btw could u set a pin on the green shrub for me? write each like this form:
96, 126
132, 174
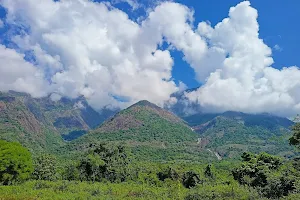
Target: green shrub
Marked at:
45, 168
15, 163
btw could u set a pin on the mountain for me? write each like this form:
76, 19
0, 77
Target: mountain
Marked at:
151, 132
18, 123
67, 116
40, 123
183, 107
231, 133
145, 121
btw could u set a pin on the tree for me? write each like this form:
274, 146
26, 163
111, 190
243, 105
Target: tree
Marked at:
15, 163
208, 172
264, 172
71, 172
104, 161
295, 139
190, 179
45, 167
254, 169
168, 173
279, 186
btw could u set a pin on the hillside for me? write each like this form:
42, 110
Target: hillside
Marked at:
231, 133
17, 123
146, 122
40, 123
151, 132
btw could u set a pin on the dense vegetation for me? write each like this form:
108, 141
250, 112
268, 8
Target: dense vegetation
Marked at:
15, 163
143, 152
151, 133
295, 139
38, 123
229, 136
109, 171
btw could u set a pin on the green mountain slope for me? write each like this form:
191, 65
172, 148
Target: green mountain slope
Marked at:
232, 133
17, 123
152, 133
145, 122
40, 123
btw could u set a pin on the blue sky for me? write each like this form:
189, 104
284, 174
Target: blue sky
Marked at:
121, 51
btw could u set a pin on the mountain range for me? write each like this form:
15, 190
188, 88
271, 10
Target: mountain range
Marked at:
150, 131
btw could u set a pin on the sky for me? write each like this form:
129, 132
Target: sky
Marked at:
241, 54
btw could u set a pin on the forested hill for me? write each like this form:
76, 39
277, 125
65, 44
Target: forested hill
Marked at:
150, 131
40, 123
231, 133
142, 152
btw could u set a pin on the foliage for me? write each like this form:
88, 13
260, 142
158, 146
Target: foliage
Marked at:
279, 186
169, 173
264, 173
71, 172
15, 163
208, 172
104, 161
45, 167
295, 139
69, 190
230, 136
190, 179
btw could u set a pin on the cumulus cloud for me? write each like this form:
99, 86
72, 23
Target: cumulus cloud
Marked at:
82, 47
19, 75
242, 78
92, 49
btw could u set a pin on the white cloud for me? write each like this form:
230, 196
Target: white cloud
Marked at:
89, 49
244, 80
93, 49
19, 75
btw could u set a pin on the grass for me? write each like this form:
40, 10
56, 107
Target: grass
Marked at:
84, 190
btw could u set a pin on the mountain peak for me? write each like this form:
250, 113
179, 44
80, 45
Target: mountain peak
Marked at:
145, 103
137, 115
145, 122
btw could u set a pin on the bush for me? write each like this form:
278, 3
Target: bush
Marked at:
15, 163
279, 187
190, 179
105, 161
45, 168
168, 173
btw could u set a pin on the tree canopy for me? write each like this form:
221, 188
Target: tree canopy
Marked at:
295, 139
15, 163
